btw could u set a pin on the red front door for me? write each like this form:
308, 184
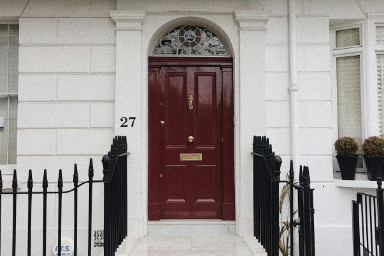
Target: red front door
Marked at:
191, 123
186, 143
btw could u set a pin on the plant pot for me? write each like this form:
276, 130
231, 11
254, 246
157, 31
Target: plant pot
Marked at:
373, 164
347, 166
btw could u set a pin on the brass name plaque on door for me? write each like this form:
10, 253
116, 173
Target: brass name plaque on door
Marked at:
191, 157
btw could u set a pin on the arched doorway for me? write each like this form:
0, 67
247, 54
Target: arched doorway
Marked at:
190, 126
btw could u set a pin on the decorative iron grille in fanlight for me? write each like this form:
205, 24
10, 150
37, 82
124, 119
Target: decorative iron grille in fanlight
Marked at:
190, 40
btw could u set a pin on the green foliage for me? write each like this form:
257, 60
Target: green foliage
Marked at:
373, 146
346, 146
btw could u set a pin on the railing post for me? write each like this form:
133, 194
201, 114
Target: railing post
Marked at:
307, 214
90, 176
291, 211
380, 213
75, 184
256, 214
355, 228
300, 211
45, 186
125, 190
275, 197
107, 205
14, 187
30, 186
60, 190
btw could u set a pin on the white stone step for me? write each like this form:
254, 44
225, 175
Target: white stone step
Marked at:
185, 237
255, 247
190, 227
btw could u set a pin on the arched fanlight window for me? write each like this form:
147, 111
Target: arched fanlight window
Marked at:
190, 40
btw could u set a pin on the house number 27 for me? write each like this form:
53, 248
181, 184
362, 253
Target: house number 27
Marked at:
128, 120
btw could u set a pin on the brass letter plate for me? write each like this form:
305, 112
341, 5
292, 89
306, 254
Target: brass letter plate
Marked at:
191, 157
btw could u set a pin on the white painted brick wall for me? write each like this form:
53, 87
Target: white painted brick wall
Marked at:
37, 87
277, 30
36, 142
102, 30
102, 114
277, 85
314, 106
317, 58
69, 8
86, 87
314, 86
103, 58
54, 59
319, 167
69, 62
83, 141
62, 115
276, 58
315, 141
74, 30
312, 30
278, 114
38, 31
280, 138
318, 114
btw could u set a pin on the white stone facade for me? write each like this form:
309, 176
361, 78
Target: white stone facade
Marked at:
83, 66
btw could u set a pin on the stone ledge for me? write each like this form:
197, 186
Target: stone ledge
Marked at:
356, 184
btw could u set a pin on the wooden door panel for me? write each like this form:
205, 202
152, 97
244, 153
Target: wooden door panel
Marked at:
205, 183
175, 180
205, 109
176, 120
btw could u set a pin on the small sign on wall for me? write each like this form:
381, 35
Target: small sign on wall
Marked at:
66, 247
98, 238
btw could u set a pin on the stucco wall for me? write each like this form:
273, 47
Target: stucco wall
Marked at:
66, 88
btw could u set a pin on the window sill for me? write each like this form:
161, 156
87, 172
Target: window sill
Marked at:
356, 184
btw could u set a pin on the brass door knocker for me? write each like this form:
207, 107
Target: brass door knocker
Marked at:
190, 102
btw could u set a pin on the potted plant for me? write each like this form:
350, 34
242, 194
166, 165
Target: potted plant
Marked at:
346, 148
373, 153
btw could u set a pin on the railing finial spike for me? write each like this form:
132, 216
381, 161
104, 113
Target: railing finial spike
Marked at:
90, 169
14, 180
75, 175
30, 180
45, 180
60, 180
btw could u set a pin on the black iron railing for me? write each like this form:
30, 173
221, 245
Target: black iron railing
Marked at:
266, 177
15, 194
115, 203
305, 211
115, 196
368, 223
266, 180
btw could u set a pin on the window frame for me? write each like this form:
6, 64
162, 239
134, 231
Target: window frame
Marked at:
7, 169
349, 51
378, 50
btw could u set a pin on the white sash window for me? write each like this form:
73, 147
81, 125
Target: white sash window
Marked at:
9, 57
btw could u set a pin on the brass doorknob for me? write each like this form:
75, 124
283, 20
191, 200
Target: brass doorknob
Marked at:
191, 139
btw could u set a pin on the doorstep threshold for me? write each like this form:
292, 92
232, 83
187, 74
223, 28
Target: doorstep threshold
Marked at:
191, 222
